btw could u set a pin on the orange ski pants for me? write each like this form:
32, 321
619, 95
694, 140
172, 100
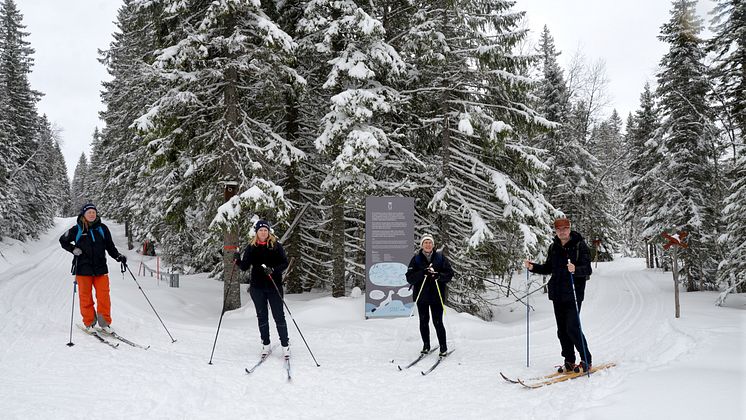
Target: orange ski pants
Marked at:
101, 284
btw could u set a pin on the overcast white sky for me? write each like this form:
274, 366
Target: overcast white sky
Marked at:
67, 34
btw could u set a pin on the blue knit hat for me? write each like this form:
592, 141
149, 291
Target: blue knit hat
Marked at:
261, 224
87, 207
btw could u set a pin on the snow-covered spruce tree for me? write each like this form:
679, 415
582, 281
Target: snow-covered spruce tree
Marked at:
689, 199
225, 69
359, 65
729, 98
294, 124
79, 185
468, 118
643, 156
552, 94
56, 187
728, 68
125, 193
18, 116
733, 267
607, 144
96, 186
574, 183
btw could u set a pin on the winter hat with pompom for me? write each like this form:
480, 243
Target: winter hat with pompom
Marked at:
261, 224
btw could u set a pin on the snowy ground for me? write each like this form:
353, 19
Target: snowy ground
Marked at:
688, 368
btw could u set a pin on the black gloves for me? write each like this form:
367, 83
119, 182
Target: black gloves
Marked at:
267, 270
122, 259
431, 273
237, 257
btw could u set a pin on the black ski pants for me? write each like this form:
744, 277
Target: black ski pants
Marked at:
269, 297
424, 309
568, 331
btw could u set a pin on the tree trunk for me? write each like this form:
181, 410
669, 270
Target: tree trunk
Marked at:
338, 245
292, 243
676, 282
231, 285
445, 152
128, 233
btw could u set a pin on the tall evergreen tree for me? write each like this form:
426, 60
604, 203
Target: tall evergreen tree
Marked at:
608, 145
351, 41
642, 135
729, 67
18, 121
56, 198
733, 266
468, 117
574, 183
79, 185
119, 156
224, 67
553, 95
729, 96
689, 199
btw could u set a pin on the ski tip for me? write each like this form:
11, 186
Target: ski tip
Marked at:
530, 386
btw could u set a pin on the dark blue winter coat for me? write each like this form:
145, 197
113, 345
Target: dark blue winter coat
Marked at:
94, 242
418, 277
256, 255
577, 251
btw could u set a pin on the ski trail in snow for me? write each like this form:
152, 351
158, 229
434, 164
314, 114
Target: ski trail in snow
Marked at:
627, 317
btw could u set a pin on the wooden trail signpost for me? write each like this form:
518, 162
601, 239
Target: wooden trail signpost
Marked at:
675, 241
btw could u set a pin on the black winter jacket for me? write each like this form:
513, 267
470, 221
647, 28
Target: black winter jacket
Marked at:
577, 251
419, 277
256, 255
94, 242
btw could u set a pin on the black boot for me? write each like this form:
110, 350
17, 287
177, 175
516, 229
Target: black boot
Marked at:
582, 367
566, 367
443, 350
425, 349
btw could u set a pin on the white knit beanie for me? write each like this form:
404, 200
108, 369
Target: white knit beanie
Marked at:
426, 237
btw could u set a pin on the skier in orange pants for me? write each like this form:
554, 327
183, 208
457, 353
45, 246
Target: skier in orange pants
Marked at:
88, 241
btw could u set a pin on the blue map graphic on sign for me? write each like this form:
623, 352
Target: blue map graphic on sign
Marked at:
390, 274
391, 308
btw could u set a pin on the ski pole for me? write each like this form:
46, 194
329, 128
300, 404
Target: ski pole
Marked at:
411, 315
125, 267
291, 315
528, 311
442, 304
580, 327
222, 312
72, 308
